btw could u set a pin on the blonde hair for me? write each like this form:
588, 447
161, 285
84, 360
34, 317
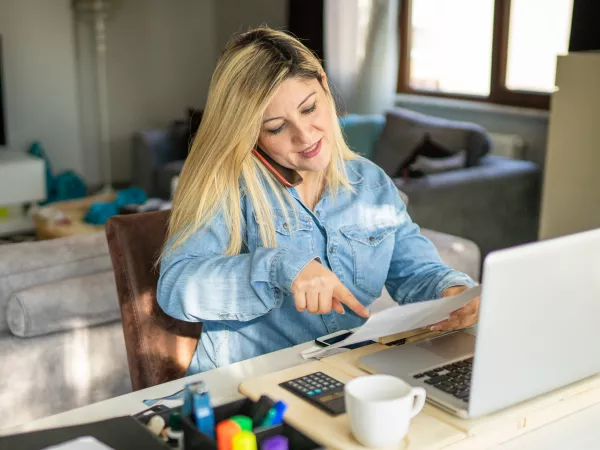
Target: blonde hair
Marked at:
250, 69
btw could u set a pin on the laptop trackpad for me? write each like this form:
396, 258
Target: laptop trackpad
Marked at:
418, 356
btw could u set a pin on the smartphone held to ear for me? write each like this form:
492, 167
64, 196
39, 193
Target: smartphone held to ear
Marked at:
287, 177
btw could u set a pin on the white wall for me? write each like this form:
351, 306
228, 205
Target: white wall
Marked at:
40, 79
161, 55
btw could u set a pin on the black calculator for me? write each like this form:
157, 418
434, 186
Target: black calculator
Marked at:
319, 389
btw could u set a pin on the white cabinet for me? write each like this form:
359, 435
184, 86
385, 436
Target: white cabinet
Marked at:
22, 180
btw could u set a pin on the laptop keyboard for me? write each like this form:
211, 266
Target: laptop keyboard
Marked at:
455, 378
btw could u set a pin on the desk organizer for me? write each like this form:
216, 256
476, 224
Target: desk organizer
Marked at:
195, 440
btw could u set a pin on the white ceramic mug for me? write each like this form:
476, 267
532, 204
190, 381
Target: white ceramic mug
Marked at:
380, 408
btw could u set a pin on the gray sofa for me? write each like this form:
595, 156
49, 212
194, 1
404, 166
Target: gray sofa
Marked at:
61, 340
493, 202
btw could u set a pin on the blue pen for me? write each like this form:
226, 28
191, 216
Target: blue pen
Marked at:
203, 412
280, 408
275, 415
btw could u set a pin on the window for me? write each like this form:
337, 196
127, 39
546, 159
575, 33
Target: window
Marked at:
500, 51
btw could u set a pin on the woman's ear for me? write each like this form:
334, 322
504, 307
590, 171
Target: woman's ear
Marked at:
324, 82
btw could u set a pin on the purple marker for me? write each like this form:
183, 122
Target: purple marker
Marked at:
278, 442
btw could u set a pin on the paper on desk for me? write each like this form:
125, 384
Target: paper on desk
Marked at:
82, 443
317, 352
171, 401
395, 318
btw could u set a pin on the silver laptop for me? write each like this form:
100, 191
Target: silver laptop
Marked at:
538, 330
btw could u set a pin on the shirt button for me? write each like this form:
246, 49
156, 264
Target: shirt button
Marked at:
371, 239
318, 214
330, 249
285, 226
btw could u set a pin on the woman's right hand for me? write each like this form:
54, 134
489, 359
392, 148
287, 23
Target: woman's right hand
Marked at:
318, 290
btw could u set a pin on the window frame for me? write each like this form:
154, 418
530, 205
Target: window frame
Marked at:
499, 93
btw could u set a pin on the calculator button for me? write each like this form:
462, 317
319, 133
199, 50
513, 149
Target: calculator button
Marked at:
318, 391
311, 393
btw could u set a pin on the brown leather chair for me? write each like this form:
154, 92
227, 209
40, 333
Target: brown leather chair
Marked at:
159, 348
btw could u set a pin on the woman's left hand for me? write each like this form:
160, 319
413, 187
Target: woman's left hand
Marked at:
464, 317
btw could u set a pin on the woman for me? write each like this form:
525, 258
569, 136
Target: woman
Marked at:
263, 265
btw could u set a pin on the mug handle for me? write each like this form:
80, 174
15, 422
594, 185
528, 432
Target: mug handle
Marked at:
419, 395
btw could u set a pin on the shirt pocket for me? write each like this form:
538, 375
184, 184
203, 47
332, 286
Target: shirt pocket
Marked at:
372, 248
293, 231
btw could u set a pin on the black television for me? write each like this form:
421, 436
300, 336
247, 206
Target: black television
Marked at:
2, 121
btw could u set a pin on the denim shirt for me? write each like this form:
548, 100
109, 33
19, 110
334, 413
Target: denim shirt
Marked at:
244, 302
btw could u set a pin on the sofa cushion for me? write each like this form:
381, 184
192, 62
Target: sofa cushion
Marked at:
408, 134
64, 305
29, 264
362, 132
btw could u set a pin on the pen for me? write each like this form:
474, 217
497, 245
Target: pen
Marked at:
280, 408
275, 415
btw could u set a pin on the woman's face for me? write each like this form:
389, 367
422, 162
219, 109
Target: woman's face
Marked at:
296, 130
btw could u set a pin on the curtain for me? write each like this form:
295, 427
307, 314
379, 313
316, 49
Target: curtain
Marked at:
361, 53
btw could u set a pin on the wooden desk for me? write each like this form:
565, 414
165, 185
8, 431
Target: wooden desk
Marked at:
579, 431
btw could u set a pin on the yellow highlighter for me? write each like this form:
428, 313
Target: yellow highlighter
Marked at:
244, 440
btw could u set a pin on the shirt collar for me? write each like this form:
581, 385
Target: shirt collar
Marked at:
353, 176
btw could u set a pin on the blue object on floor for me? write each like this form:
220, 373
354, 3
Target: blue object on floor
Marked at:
66, 185
100, 212
131, 196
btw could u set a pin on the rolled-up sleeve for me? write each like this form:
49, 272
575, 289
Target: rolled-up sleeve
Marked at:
198, 282
416, 271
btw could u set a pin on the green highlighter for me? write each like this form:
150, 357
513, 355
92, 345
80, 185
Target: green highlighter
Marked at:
244, 422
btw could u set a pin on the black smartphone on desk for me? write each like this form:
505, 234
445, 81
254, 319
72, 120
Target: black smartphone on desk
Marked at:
334, 338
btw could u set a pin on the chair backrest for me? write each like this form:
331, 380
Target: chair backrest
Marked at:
159, 347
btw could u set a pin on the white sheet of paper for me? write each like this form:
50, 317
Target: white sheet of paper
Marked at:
387, 319
82, 443
317, 352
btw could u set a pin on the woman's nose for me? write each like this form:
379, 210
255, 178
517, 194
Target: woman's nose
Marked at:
303, 134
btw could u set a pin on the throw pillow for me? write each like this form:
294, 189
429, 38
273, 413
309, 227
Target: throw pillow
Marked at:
408, 134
